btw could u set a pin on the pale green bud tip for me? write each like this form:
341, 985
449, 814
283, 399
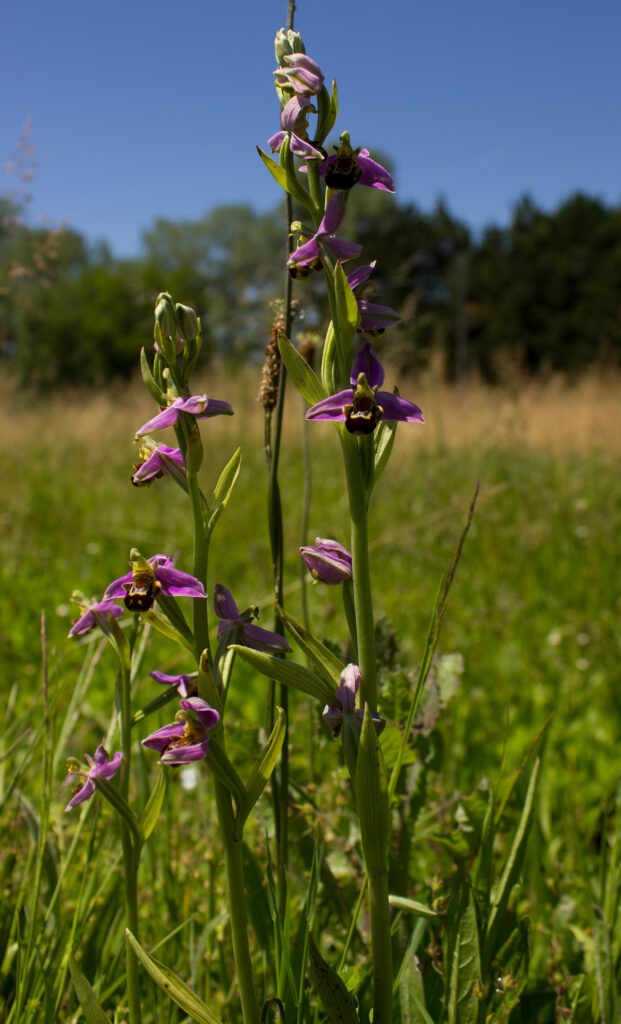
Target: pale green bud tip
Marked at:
187, 322
287, 41
165, 317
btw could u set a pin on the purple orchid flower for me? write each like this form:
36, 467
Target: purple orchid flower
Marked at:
185, 684
99, 767
199, 406
93, 614
157, 461
345, 697
150, 577
300, 73
373, 317
239, 628
186, 739
307, 257
348, 167
328, 562
362, 406
293, 119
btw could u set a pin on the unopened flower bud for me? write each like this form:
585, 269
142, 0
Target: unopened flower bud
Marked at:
187, 322
165, 315
287, 41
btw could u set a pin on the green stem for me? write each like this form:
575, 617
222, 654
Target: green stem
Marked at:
363, 600
237, 904
381, 947
199, 606
131, 852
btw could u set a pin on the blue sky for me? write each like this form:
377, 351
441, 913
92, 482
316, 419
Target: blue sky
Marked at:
147, 108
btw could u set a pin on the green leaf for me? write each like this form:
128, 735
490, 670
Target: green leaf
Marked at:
411, 990
302, 375
465, 965
338, 1003
324, 661
153, 806
511, 870
405, 903
91, 1007
327, 112
288, 673
263, 769
172, 985
225, 771
287, 180
222, 492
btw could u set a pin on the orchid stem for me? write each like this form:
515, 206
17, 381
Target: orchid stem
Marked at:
237, 904
361, 572
131, 853
201, 624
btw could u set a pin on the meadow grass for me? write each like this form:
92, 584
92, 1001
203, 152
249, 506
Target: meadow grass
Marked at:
533, 617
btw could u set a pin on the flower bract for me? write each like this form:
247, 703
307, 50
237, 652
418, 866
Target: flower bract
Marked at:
239, 628
100, 766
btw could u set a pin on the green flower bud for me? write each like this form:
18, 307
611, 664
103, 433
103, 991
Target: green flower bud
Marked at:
165, 315
187, 322
287, 41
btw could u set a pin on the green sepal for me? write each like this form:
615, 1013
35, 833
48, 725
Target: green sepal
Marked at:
172, 985
89, 1003
338, 1003
224, 771
287, 181
324, 661
149, 380
298, 677
153, 806
327, 112
218, 501
372, 799
302, 375
262, 769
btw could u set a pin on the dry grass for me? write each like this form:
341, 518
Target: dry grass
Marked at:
551, 415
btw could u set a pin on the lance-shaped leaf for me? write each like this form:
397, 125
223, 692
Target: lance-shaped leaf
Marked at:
465, 965
172, 985
222, 492
284, 178
327, 112
511, 871
413, 906
298, 677
262, 770
302, 375
91, 1007
153, 806
338, 1002
372, 799
324, 661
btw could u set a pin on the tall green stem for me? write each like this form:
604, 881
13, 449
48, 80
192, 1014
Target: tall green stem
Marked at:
201, 622
237, 904
131, 854
361, 571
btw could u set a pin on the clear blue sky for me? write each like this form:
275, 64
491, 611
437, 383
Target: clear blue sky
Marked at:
146, 108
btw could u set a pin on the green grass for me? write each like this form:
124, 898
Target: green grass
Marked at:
534, 613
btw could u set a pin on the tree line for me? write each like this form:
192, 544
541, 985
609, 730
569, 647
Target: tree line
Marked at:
539, 295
